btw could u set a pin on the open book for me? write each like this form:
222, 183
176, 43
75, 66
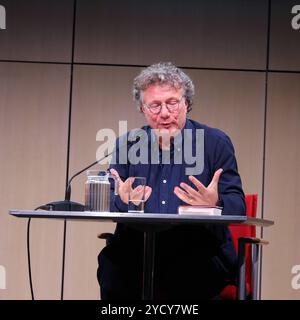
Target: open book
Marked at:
200, 210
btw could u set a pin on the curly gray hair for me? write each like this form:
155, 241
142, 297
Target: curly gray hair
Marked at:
163, 73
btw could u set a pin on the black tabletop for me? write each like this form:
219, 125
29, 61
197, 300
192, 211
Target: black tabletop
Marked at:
152, 218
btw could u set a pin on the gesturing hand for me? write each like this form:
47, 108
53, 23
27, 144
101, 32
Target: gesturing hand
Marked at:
203, 195
126, 186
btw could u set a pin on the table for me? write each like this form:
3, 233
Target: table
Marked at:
149, 223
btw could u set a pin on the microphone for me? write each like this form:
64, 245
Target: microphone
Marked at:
67, 204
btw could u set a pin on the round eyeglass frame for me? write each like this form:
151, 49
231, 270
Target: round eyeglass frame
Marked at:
171, 108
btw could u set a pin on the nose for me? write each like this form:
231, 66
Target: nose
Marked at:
164, 112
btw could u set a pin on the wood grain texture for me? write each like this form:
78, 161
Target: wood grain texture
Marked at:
282, 188
225, 34
33, 139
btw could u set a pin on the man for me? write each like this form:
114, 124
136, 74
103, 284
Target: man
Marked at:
194, 261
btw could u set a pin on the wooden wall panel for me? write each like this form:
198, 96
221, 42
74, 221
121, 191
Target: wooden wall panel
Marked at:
225, 34
33, 140
37, 30
282, 189
284, 39
234, 103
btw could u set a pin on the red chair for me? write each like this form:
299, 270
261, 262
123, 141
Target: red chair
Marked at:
247, 246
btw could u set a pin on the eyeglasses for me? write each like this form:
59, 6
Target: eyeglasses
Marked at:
172, 105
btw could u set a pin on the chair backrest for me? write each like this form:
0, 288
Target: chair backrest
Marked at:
238, 231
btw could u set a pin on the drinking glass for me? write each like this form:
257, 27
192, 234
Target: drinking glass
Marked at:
136, 196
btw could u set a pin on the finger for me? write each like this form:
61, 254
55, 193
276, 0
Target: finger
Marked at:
148, 193
198, 184
115, 173
182, 195
189, 190
216, 177
137, 193
127, 185
137, 189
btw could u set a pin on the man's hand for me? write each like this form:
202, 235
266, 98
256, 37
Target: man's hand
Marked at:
126, 186
203, 195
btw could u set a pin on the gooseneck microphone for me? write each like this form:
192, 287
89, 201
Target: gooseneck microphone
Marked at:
67, 204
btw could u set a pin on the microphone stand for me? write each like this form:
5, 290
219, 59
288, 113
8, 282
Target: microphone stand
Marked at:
67, 204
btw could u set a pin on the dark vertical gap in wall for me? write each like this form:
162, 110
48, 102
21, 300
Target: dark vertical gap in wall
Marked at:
265, 133
68, 146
